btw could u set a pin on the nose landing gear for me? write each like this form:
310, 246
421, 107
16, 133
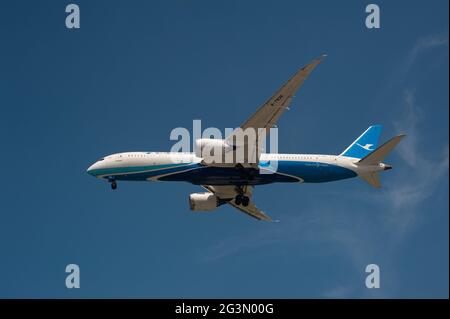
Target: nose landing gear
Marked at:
113, 184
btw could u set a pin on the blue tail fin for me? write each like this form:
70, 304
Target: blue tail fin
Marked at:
365, 144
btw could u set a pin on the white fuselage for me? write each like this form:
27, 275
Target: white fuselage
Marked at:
188, 167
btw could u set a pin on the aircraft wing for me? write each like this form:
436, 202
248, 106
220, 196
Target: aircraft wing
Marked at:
228, 193
269, 113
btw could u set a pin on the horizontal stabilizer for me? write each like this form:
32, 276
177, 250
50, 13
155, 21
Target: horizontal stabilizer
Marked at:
372, 178
381, 152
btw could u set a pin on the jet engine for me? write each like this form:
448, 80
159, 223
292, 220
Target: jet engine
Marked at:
212, 150
203, 201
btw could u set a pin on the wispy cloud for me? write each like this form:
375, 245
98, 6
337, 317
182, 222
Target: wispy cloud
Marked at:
424, 44
425, 172
421, 181
421, 176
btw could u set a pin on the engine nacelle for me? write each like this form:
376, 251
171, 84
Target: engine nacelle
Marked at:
212, 150
203, 201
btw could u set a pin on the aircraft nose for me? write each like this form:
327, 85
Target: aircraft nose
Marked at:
90, 169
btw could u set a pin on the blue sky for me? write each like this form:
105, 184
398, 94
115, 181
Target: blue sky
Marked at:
137, 69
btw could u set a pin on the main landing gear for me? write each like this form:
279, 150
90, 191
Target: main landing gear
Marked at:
113, 184
240, 198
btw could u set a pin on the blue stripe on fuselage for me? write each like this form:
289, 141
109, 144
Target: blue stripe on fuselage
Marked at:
287, 171
314, 172
140, 172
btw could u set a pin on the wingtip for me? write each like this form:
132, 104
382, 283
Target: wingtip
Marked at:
320, 59
270, 220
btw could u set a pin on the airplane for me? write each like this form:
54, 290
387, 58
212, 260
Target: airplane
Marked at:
234, 183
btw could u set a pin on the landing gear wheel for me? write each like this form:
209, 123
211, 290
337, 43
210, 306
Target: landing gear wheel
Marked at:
242, 200
113, 185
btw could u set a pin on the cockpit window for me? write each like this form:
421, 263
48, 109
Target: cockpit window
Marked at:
101, 159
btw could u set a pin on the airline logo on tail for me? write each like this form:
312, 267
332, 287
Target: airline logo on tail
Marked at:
366, 147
